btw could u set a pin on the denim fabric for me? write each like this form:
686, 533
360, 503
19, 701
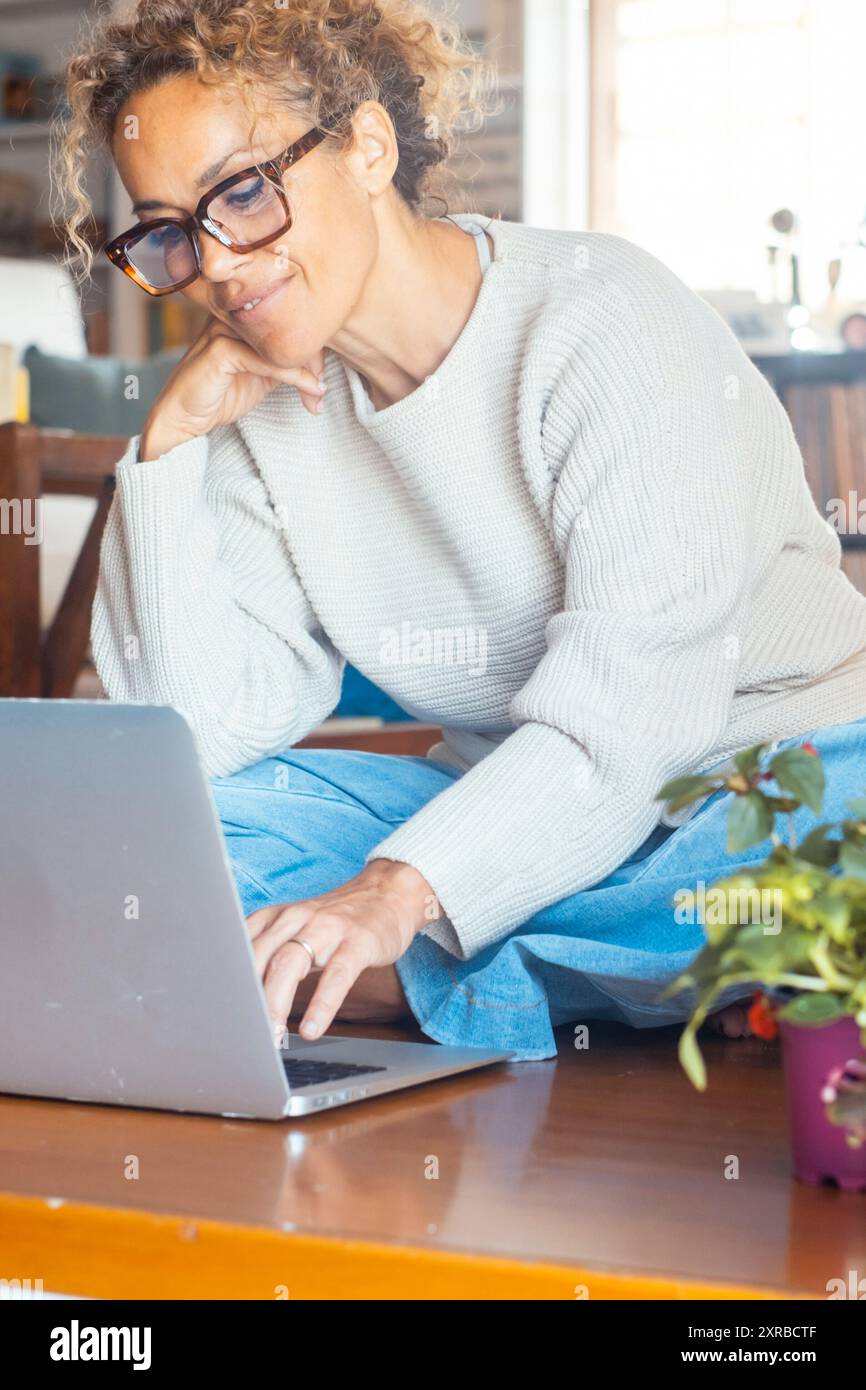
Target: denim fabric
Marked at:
302, 823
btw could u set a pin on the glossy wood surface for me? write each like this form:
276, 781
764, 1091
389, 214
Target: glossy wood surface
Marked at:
601, 1171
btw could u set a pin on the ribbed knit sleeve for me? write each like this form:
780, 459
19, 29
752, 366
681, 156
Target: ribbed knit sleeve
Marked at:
651, 514
198, 605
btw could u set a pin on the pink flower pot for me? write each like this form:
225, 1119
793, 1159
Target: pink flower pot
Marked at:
820, 1149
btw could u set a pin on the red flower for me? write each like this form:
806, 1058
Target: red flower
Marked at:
811, 750
762, 1020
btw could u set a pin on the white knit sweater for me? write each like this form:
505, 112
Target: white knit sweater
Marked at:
585, 546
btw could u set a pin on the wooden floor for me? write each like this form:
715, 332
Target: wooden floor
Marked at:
602, 1173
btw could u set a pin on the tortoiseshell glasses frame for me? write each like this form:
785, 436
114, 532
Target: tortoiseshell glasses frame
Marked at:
118, 250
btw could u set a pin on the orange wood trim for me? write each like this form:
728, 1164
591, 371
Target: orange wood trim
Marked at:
106, 1252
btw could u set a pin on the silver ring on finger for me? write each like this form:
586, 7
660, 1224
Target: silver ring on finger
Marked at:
299, 941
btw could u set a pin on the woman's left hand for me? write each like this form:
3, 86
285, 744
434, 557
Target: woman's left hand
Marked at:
369, 921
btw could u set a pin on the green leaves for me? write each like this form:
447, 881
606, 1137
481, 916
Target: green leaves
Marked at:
797, 922
817, 848
813, 1008
691, 1060
831, 912
749, 760
801, 774
682, 791
765, 955
797, 772
852, 860
750, 822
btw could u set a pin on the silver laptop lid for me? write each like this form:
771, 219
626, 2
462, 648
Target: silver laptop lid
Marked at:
126, 972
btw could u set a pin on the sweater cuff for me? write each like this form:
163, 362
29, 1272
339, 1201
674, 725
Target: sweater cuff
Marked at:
498, 845
442, 932
190, 455
133, 452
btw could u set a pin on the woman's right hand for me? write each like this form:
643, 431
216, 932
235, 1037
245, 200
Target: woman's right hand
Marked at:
220, 379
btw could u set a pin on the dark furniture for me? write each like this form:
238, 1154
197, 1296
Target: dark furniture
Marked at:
34, 462
825, 397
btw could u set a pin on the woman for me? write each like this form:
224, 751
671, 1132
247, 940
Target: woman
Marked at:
524, 480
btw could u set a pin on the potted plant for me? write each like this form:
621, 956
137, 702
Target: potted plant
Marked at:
796, 926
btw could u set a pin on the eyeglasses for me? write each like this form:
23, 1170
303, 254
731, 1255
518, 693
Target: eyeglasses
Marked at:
243, 212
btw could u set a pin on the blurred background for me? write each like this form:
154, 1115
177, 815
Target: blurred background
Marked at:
725, 136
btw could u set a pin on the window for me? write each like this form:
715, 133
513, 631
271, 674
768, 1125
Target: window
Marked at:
709, 115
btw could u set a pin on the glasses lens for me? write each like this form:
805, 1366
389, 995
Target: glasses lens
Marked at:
249, 211
163, 257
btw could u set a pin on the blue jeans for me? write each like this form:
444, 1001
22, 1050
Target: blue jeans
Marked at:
302, 823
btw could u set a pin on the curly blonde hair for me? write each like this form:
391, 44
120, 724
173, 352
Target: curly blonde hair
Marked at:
320, 57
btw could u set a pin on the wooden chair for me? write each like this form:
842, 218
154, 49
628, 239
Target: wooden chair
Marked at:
36, 462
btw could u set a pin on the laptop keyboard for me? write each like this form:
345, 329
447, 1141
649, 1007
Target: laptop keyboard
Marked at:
304, 1071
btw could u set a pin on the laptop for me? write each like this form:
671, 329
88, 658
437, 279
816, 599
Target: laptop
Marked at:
126, 969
